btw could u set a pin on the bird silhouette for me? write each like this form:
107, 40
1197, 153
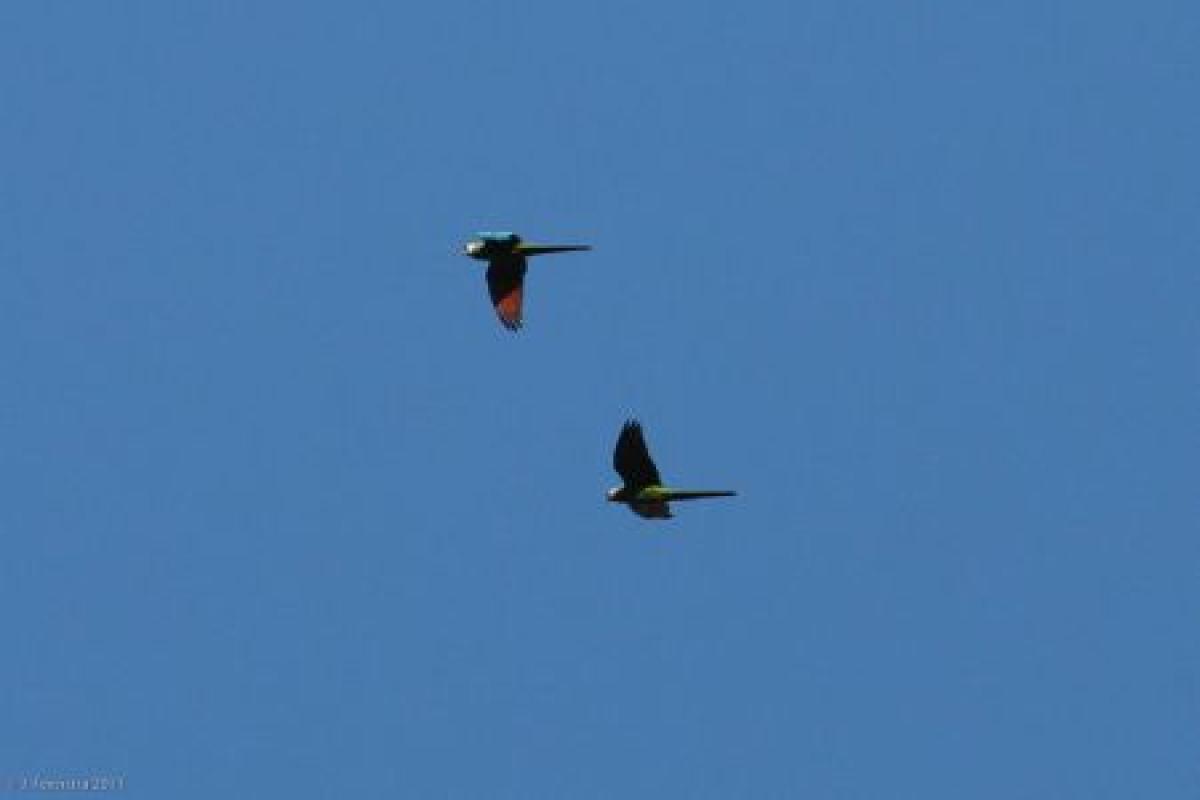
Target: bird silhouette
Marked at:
643, 491
505, 254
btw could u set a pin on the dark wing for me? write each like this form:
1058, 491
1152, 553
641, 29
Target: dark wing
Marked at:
505, 280
631, 458
655, 510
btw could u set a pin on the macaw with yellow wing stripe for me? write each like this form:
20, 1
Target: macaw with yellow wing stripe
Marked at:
643, 491
505, 255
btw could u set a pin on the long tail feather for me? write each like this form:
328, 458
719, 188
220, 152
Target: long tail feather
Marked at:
687, 494
542, 249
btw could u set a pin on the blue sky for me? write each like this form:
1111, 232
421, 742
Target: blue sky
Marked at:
286, 513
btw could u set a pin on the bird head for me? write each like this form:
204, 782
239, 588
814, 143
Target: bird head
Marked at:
614, 494
474, 248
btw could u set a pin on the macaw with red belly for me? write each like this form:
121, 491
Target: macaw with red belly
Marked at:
505, 255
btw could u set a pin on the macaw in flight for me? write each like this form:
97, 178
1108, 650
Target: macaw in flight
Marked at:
643, 491
505, 254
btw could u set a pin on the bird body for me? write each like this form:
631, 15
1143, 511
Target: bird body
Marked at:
643, 490
506, 253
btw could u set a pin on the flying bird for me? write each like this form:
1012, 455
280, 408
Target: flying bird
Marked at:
505, 255
643, 491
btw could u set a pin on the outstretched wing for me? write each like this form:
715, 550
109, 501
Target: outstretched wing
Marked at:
506, 280
631, 458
